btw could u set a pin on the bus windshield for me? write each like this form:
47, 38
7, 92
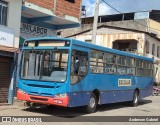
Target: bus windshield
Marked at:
45, 65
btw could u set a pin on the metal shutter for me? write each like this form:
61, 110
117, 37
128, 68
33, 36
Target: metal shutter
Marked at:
5, 73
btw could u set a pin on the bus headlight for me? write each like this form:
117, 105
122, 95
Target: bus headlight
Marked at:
22, 91
60, 95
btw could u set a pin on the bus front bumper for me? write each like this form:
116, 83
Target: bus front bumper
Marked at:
42, 99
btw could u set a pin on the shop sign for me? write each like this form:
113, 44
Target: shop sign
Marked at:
28, 31
6, 36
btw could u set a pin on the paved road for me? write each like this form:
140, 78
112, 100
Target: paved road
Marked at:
147, 107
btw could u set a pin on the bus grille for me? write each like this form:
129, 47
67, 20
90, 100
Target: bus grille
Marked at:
42, 94
38, 99
42, 86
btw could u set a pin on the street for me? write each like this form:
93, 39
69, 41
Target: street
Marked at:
147, 107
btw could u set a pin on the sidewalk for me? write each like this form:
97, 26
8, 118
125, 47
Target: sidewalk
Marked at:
7, 107
17, 104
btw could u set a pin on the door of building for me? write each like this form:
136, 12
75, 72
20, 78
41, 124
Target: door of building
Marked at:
5, 76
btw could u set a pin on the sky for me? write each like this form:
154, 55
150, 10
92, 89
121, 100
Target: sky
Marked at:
121, 5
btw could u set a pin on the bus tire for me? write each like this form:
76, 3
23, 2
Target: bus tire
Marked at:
92, 104
135, 100
28, 104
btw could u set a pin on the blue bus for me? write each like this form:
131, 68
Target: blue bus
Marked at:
71, 73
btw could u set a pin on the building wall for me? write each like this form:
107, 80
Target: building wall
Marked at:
155, 27
13, 18
64, 7
48, 4
151, 42
129, 24
60, 8
106, 37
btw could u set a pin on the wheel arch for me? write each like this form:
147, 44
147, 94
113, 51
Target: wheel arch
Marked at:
137, 89
97, 93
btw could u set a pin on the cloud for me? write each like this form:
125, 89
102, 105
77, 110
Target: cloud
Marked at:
105, 10
90, 6
121, 5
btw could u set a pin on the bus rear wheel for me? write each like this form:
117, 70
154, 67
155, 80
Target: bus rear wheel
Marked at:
92, 104
135, 100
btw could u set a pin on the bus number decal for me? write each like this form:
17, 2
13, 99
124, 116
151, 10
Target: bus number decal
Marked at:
124, 82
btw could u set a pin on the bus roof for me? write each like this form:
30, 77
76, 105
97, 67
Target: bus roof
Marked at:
47, 38
92, 46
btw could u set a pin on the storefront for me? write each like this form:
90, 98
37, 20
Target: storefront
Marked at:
7, 54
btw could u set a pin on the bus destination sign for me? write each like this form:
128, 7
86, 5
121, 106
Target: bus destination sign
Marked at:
54, 43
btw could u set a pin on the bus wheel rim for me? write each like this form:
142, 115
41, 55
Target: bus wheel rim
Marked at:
136, 98
92, 102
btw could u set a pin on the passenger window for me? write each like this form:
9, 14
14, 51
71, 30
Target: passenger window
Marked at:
109, 66
110, 58
139, 63
79, 66
96, 61
121, 60
130, 66
110, 69
121, 70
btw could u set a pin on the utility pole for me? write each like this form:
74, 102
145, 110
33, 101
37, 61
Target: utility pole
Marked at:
96, 12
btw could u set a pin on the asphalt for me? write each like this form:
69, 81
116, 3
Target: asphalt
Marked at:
148, 107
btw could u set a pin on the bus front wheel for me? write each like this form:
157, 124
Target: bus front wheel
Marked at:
91, 107
135, 100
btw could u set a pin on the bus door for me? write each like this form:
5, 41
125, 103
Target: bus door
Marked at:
79, 66
78, 78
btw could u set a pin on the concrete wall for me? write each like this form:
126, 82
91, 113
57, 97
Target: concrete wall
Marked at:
129, 24
151, 42
106, 37
155, 27
14, 18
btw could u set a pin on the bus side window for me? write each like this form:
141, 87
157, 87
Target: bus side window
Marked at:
79, 66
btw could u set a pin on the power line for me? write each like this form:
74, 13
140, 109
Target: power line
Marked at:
129, 17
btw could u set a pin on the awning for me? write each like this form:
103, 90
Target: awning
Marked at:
8, 49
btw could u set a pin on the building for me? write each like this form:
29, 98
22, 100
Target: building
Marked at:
47, 17
124, 39
147, 21
10, 14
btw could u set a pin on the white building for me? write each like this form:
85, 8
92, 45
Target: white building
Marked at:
10, 14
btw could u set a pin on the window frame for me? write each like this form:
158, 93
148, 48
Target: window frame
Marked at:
3, 15
158, 51
153, 49
137, 64
42, 65
87, 66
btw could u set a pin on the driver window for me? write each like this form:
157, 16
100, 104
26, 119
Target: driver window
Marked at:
79, 66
